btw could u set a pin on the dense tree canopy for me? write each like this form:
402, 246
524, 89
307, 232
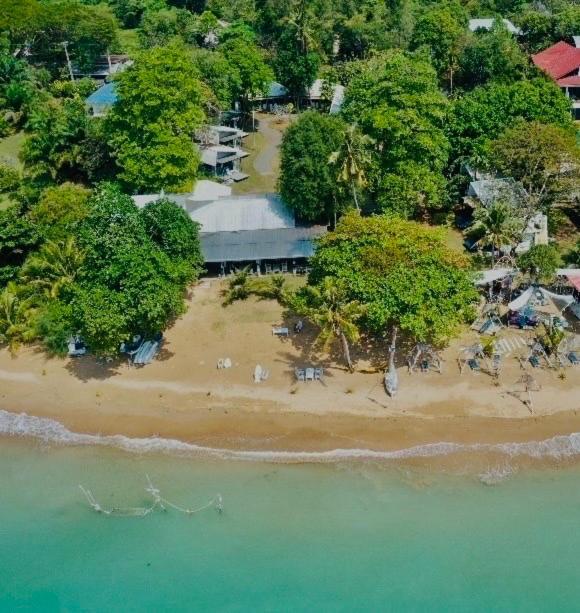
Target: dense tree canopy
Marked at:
484, 113
402, 273
307, 180
395, 99
545, 159
151, 126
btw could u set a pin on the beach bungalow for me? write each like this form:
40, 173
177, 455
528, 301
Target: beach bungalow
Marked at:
100, 102
326, 96
220, 135
240, 231
274, 95
224, 161
562, 63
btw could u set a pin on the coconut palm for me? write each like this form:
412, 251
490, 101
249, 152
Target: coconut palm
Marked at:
16, 317
328, 306
351, 160
498, 226
54, 267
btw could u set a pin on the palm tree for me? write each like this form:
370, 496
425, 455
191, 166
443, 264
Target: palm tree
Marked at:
351, 160
498, 226
328, 306
54, 267
16, 317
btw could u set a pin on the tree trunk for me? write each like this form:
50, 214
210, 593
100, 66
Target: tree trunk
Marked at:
346, 352
355, 197
492, 254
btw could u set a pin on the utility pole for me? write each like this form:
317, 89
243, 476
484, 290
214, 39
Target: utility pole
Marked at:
70, 70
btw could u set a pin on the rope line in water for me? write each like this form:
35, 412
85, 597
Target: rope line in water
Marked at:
158, 502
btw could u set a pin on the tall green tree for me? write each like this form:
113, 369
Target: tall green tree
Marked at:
253, 72
402, 272
491, 56
307, 181
544, 158
442, 30
498, 226
484, 113
395, 99
351, 161
328, 306
54, 269
152, 124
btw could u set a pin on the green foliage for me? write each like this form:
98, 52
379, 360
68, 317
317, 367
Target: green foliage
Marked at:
545, 159
541, 262
159, 28
498, 225
328, 304
307, 180
18, 237
151, 126
59, 209
413, 190
484, 113
53, 270
130, 12
395, 100
17, 317
52, 152
296, 65
172, 230
540, 29
443, 30
43, 26
253, 73
220, 75
402, 273
491, 56
9, 178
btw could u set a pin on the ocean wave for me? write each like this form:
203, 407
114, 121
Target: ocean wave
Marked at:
51, 431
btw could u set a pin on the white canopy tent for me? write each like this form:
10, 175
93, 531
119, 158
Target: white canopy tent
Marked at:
484, 277
542, 300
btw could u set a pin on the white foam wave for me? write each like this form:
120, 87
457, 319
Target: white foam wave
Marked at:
51, 431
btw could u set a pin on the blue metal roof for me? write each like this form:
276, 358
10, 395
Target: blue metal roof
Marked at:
105, 95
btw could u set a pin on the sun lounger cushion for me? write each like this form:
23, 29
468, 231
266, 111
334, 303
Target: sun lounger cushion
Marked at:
573, 357
534, 361
146, 353
473, 364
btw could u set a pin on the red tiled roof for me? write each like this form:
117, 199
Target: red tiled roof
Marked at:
569, 81
558, 60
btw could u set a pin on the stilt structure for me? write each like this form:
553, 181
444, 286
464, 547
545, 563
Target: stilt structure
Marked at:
158, 503
529, 385
425, 357
391, 376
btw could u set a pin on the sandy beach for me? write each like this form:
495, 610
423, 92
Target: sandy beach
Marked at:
183, 395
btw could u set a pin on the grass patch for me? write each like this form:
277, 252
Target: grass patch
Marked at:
10, 148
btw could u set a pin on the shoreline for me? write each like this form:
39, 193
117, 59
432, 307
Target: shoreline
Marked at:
183, 396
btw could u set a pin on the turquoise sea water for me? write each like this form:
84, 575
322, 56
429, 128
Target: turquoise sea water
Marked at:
355, 536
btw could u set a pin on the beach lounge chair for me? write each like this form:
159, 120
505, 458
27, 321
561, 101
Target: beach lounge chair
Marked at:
474, 365
146, 353
534, 361
76, 347
574, 358
300, 374
280, 331
318, 374
309, 374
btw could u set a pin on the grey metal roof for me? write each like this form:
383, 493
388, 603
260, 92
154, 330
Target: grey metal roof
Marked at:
251, 245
